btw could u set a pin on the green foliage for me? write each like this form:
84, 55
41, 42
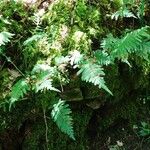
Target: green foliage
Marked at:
44, 77
144, 129
90, 72
60, 45
123, 12
19, 89
102, 57
134, 42
131, 43
5, 37
41, 80
33, 38
61, 115
93, 73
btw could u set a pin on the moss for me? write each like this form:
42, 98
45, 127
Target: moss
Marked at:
122, 80
5, 82
125, 110
58, 140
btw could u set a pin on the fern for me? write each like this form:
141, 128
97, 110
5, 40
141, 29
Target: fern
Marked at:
90, 71
5, 37
141, 9
93, 73
44, 74
41, 67
109, 43
131, 42
123, 12
136, 42
35, 37
44, 82
61, 115
102, 57
18, 90
144, 50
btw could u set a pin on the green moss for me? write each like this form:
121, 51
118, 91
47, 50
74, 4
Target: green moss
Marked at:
58, 140
125, 110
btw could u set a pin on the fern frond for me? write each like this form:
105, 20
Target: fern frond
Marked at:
61, 115
102, 57
90, 71
144, 50
130, 43
5, 37
35, 37
19, 89
122, 13
76, 57
38, 68
93, 73
44, 82
109, 43
44, 74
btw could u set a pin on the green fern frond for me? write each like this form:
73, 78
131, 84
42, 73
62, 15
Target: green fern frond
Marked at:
141, 9
44, 74
76, 57
109, 43
44, 82
38, 68
123, 12
61, 115
35, 37
90, 71
93, 73
5, 37
130, 43
102, 57
19, 89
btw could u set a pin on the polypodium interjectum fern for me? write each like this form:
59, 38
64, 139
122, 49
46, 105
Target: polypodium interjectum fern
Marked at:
19, 89
132, 42
89, 70
43, 75
5, 37
93, 73
61, 115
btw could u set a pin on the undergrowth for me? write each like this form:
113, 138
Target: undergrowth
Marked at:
43, 48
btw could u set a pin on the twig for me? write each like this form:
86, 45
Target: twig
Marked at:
9, 60
2, 65
46, 128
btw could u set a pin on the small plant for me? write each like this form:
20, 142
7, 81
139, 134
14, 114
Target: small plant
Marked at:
50, 47
144, 129
118, 146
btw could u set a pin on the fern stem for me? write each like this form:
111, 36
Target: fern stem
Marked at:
62, 89
141, 9
2, 66
9, 60
46, 128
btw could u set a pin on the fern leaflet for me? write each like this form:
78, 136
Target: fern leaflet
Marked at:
123, 12
44, 82
90, 71
18, 90
61, 115
130, 43
44, 74
35, 37
93, 73
4, 37
102, 57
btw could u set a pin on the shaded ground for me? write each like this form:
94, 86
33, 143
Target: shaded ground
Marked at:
89, 131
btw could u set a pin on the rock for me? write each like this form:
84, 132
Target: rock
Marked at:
94, 104
73, 94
